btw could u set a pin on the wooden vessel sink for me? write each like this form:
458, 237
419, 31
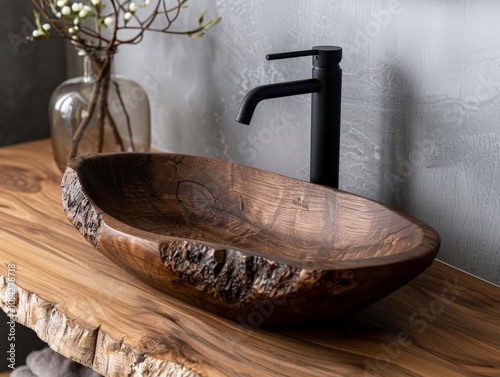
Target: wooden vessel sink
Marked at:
247, 244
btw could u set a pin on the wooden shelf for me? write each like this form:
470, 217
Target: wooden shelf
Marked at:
443, 323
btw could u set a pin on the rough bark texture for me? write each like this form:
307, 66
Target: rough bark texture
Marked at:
228, 274
234, 278
79, 210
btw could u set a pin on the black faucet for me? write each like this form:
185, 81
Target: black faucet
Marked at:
326, 87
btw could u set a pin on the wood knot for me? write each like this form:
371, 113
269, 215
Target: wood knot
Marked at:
199, 200
150, 345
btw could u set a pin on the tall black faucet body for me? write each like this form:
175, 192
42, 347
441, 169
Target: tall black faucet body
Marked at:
326, 88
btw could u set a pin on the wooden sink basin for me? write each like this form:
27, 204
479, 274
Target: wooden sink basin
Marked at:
247, 244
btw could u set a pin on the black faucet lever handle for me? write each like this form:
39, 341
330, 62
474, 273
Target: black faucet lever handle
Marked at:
292, 54
325, 57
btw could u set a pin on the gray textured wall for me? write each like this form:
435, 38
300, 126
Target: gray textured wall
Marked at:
29, 72
420, 108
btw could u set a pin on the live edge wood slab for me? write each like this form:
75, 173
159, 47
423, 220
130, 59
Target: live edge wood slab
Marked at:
443, 323
238, 241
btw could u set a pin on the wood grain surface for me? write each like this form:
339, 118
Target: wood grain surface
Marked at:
443, 323
230, 238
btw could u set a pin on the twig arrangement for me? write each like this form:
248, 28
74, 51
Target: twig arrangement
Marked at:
97, 28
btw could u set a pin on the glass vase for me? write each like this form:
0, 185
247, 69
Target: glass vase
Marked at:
98, 113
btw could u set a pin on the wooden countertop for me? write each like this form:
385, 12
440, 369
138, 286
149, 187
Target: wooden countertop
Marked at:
443, 323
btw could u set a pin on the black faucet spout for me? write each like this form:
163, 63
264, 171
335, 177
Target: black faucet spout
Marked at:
326, 88
278, 90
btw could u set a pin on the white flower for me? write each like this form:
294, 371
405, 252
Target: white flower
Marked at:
146, 2
96, 2
83, 13
108, 21
66, 11
61, 3
87, 8
46, 27
76, 21
71, 30
127, 16
132, 8
36, 33
77, 7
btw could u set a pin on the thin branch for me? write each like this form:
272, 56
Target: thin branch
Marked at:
103, 105
114, 128
90, 110
127, 116
166, 31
